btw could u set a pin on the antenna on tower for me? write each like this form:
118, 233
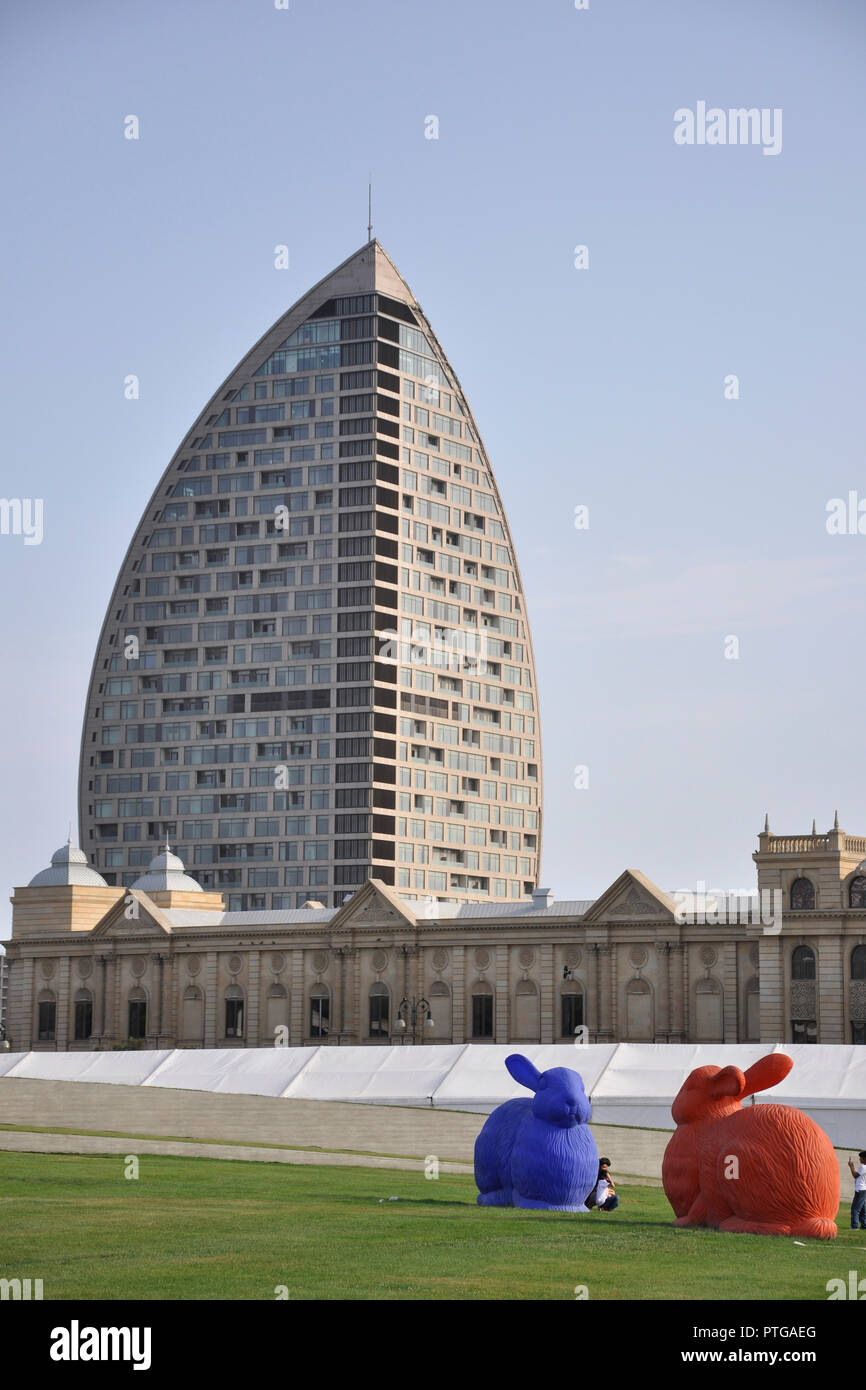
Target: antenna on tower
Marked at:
370, 210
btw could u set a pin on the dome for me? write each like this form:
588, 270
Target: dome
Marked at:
166, 874
68, 866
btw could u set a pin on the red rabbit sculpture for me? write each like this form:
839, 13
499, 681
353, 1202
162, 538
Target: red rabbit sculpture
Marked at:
768, 1169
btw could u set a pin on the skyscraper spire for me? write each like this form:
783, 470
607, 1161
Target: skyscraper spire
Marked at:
370, 210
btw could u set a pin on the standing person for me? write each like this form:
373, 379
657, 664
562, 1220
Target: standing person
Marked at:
605, 1192
858, 1206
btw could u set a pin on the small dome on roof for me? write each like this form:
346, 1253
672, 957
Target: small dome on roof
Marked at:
68, 866
166, 874
311, 903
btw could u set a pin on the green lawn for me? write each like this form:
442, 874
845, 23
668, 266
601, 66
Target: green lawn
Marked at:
192, 1228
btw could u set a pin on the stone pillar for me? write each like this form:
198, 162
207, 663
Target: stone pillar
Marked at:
605, 1031
174, 1005
593, 1007
677, 986
501, 995
353, 1003
210, 999
101, 1000
159, 990
730, 985
662, 1019
772, 984
61, 1032
547, 1002
21, 1012
119, 1027
831, 991
297, 1027
254, 990
458, 996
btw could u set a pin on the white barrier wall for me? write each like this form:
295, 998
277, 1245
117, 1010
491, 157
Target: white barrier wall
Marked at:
628, 1083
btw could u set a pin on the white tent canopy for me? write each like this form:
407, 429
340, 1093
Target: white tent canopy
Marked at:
630, 1084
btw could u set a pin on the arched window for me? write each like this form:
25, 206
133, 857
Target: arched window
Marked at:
802, 895
571, 1009
46, 1006
380, 1000
83, 1015
320, 1011
803, 963
234, 999
482, 1010
857, 891
858, 963
137, 1013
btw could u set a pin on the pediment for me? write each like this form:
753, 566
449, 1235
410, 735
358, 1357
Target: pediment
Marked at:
632, 897
374, 902
133, 916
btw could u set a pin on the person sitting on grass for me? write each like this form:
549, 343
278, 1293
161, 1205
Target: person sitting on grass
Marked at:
858, 1206
603, 1194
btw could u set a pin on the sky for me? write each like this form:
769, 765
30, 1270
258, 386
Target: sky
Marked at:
693, 378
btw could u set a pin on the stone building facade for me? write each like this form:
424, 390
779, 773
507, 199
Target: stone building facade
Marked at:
162, 964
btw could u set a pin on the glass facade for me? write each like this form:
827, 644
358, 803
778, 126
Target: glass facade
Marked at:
316, 665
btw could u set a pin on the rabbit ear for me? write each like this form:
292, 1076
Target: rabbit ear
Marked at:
767, 1071
727, 1082
523, 1071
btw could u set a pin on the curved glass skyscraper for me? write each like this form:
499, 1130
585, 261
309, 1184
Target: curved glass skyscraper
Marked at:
316, 664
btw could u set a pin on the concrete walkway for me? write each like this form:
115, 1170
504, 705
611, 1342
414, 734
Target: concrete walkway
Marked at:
316, 1131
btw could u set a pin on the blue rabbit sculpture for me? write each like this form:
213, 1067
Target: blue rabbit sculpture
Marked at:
538, 1152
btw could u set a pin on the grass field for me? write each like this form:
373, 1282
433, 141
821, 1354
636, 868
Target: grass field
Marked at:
191, 1228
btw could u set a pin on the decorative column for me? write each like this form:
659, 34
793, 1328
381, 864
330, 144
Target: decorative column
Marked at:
101, 999
605, 1032
254, 989
675, 962
593, 1006
61, 1033
830, 992
772, 986
662, 1021
458, 997
296, 1028
730, 985
115, 1033
501, 994
546, 1002
210, 999
158, 958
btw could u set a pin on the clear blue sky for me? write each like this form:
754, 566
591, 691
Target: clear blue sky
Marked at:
601, 386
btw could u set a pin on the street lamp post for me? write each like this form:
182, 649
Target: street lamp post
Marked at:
411, 1013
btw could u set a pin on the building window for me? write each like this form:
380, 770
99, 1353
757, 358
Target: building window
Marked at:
802, 896
804, 1031
857, 891
234, 1000
47, 1020
320, 1013
83, 1016
858, 963
482, 1011
803, 963
379, 1004
858, 1032
137, 1018
571, 1013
